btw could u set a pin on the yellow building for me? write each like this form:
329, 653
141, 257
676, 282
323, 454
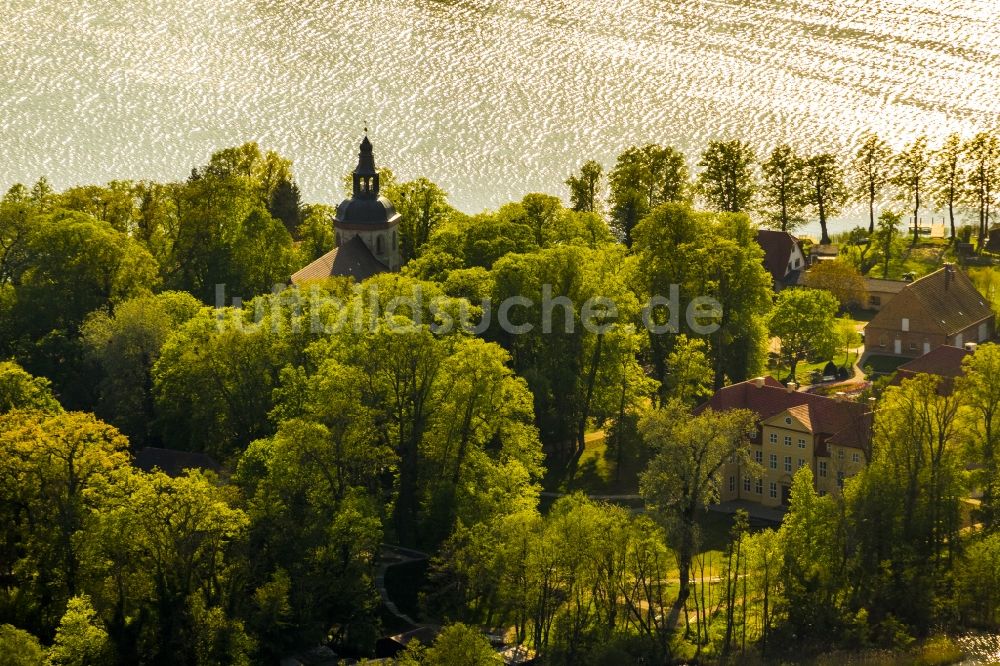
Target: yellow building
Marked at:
795, 429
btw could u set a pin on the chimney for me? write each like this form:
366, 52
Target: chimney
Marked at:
949, 271
791, 387
970, 347
758, 382
840, 396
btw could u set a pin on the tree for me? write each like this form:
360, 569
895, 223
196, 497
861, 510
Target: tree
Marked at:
126, 345
683, 476
642, 179
784, 189
57, 468
285, 205
727, 180
828, 191
840, 279
459, 645
871, 169
983, 151
80, 639
585, 188
315, 233
905, 507
979, 389
948, 176
422, 206
19, 390
848, 336
862, 242
885, 237
909, 170
19, 648
18, 217
804, 320
689, 374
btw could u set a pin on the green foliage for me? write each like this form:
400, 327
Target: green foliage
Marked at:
585, 189
80, 639
713, 255
19, 648
727, 180
422, 207
870, 173
784, 189
644, 178
19, 390
804, 319
828, 191
125, 345
460, 645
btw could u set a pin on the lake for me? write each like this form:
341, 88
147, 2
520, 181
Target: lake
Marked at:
491, 99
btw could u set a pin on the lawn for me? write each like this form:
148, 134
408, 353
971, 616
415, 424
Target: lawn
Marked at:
597, 471
884, 365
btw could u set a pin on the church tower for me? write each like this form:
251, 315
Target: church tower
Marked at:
366, 226
367, 215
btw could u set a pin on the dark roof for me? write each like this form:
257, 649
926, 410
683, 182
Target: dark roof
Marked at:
361, 211
777, 247
944, 362
844, 422
172, 462
353, 259
949, 298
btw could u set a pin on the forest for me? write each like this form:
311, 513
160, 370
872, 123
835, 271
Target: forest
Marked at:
337, 444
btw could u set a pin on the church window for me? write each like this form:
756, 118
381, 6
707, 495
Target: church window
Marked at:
380, 245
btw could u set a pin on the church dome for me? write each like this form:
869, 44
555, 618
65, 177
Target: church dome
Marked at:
365, 208
364, 212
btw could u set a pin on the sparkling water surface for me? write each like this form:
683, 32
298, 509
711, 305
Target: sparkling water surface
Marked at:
490, 98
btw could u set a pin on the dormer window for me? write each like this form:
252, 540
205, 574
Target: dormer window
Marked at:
788, 420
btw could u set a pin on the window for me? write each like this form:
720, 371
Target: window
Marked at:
380, 244
788, 420
798, 262
788, 440
758, 486
732, 484
772, 489
746, 483
788, 463
906, 325
758, 457
822, 493
840, 454
802, 463
394, 245
822, 468
875, 301
774, 461
855, 457
802, 443
774, 438
913, 346
840, 479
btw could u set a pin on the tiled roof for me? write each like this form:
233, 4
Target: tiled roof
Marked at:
352, 259
845, 422
777, 247
944, 361
948, 297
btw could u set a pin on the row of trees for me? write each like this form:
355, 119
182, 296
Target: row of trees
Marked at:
785, 186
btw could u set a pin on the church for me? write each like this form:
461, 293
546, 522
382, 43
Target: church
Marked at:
367, 237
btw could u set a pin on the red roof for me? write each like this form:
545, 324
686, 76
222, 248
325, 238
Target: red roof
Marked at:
944, 361
843, 422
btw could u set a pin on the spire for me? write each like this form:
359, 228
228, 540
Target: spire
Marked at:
366, 175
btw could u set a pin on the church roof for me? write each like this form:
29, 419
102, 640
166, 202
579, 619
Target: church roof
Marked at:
352, 259
363, 212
